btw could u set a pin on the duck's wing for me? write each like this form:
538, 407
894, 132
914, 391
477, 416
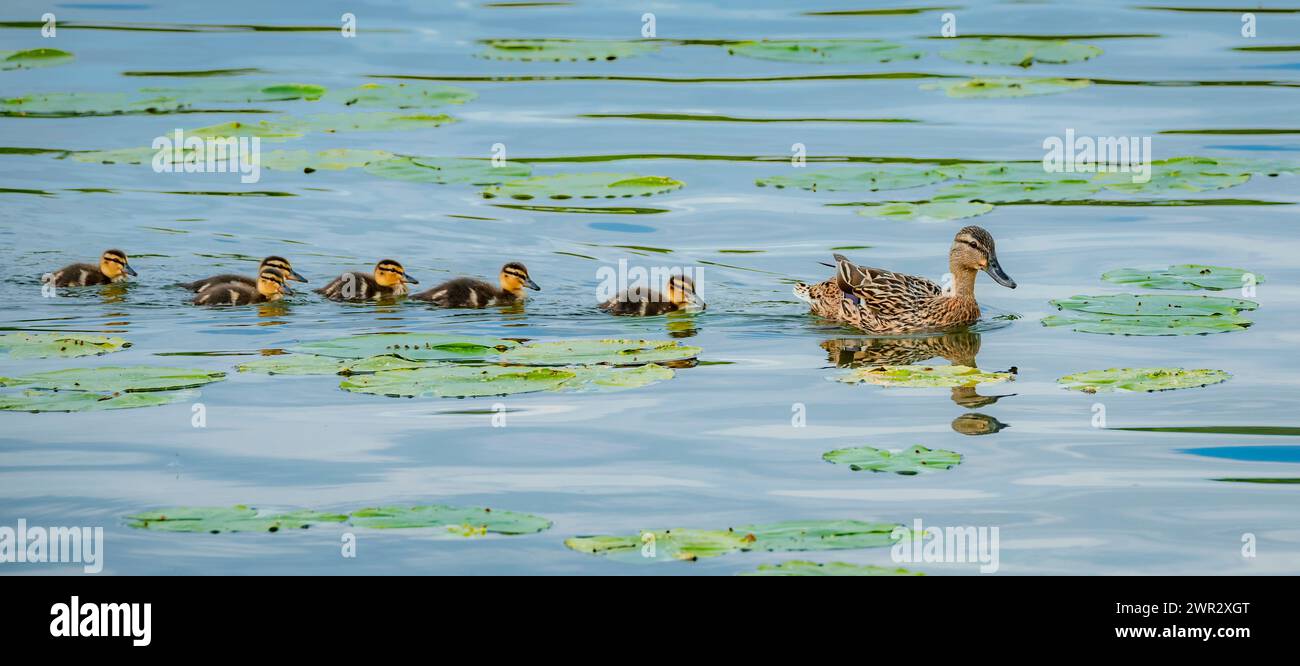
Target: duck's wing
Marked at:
881, 290
200, 285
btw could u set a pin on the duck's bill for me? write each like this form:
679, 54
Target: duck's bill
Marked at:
296, 276
532, 285
409, 280
129, 271
695, 301
284, 289
994, 269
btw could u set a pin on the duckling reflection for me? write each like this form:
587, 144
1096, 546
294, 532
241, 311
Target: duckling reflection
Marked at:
957, 347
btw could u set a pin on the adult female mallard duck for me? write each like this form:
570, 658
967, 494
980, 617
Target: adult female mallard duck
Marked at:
269, 262
389, 280
270, 286
112, 268
679, 294
471, 293
880, 301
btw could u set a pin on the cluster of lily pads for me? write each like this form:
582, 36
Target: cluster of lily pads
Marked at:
455, 521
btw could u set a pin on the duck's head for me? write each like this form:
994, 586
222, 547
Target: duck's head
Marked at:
514, 277
973, 250
282, 264
389, 273
271, 283
113, 264
680, 290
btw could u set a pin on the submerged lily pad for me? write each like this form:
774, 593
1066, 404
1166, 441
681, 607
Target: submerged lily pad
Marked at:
907, 462
923, 376
561, 50
105, 378
443, 170
806, 568
995, 87
83, 401
583, 186
464, 521
33, 58
400, 95
662, 545
1184, 276
824, 50
410, 346
216, 520
867, 179
1018, 191
1142, 379
1019, 52
1155, 305
62, 345
237, 92
334, 159
593, 352
933, 211
375, 121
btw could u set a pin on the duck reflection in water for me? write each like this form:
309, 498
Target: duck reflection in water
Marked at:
958, 348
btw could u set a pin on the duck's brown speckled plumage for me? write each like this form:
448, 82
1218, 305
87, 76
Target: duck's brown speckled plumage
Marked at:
881, 301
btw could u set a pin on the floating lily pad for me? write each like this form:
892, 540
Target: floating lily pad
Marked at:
459, 381
464, 521
127, 156
61, 105
934, 211
583, 186
104, 378
380, 364
593, 352
1088, 322
294, 364
334, 159
907, 462
375, 121
868, 179
562, 50
1155, 305
400, 95
797, 535
264, 129
1141, 379
805, 568
83, 401
1018, 191
1019, 52
1183, 276
662, 545
62, 345
33, 58
1177, 176
1006, 172
923, 376
444, 170
995, 87
824, 50
216, 520
236, 92
410, 346
604, 377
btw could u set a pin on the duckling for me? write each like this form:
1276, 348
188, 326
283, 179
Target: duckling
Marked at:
112, 267
270, 286
269, 262
679, 294
389, 280
471, 293
880, 301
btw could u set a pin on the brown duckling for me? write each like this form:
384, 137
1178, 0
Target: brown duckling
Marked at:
270, 286
112, 267
269, 262
471, 293
679, 294
389, 280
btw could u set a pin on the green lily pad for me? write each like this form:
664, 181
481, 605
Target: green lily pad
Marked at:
998, 87
294, 364
1155, 305
410, 346
1183, 276
1019, 52
1005, 172
266, 130
594, 352
923, 376
463, 521
1178, 176
83, 401
400, 95
583, 186
797, 535
103, 378
334, 159
1262, 167
62, 345
380, 364
236, 92
562, 50
63, 105
934, 211
459, 381
374, 121
1089, 322
1141, 379
216, 520
443, 170
824, 50
907, 462
661, 545
867, 179
33, 58
125, 156
1018, 191
805, 568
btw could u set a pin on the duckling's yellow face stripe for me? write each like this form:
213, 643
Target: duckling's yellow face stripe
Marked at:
113, 264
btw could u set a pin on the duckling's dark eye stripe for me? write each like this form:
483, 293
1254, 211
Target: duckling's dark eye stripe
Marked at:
114, 259
517, 274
